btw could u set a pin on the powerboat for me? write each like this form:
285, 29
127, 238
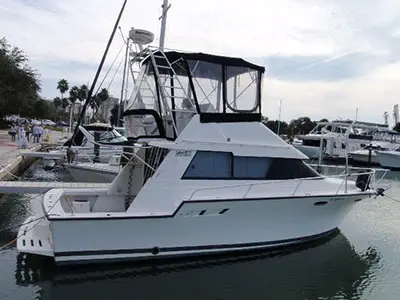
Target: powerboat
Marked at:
389, 159
204, 175
383, 140
95, 142
331, 140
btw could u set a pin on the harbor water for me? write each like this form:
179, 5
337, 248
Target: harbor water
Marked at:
362, 261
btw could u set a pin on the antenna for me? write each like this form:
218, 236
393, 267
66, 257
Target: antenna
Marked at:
165, 8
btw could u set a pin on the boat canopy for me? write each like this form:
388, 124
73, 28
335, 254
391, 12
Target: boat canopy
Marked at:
173, 86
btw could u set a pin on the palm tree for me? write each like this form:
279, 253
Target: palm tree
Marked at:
83, 92
63, 87
99, 98
73, 96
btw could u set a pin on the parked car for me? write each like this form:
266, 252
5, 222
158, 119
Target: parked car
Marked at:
48, 122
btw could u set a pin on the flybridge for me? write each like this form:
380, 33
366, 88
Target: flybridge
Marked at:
173, 86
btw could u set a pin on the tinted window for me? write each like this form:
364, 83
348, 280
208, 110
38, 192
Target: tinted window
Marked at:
251, 167
284, 168
208, 164
222, 165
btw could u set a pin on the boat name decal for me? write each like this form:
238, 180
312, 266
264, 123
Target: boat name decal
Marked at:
337, 199
183, 153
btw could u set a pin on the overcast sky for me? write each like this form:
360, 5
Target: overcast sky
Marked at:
323, 58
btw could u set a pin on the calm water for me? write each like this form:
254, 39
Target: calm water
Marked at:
361, 262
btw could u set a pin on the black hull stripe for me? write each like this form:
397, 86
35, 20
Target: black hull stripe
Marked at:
222, 247
50, 218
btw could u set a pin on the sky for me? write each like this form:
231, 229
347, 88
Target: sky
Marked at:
323, 58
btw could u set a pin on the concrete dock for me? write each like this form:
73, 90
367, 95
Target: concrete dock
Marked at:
11, 163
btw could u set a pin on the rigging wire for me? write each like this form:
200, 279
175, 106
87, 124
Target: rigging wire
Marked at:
109, 70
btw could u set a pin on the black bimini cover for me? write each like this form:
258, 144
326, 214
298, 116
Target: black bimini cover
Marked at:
215, 59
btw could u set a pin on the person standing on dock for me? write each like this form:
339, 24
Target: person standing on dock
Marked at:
27, 131
36, 134
23, 144
13, 132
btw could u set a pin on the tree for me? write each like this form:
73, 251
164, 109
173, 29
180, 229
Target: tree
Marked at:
396, 114
63, 87
397, 127
83, 92
114, 115
64, 103
57, 102
386, 117
19, 83
73, 97
301, 125
274, 124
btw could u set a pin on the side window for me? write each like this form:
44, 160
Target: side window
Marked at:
209, 164
250, 167
284, 168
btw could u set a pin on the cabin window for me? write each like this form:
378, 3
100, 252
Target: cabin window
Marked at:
223, 165
248, 167
208, 164
284, 168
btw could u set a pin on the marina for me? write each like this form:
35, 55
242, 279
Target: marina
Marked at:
182, 187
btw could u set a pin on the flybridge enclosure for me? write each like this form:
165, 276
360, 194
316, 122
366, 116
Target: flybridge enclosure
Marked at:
173, 86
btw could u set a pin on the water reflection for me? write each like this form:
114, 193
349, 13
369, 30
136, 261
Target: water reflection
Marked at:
317, 271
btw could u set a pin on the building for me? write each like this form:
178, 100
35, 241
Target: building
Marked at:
104, 111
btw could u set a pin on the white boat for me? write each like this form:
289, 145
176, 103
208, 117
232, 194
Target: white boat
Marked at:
95, 172
206, 177
95, 142
389, 159
383, 140
330, 139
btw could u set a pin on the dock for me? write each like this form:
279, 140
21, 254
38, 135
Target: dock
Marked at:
12, 163
16, 187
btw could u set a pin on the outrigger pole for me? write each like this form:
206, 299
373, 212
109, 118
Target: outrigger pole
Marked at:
89, 96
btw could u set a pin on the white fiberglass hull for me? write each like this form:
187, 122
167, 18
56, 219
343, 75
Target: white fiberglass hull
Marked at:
389, 159
362, 156
88, 172
196, 228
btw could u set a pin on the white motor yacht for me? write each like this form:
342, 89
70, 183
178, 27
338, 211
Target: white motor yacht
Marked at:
383, 140
331, 140
206, 175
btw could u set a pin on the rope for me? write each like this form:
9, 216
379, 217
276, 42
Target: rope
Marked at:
393, 199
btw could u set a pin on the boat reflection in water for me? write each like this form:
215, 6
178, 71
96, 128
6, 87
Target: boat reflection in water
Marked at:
326, 269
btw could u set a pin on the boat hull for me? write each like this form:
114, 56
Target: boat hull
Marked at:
363, 158
199, 228
389, 159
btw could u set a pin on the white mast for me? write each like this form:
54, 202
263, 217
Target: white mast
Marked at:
163, 18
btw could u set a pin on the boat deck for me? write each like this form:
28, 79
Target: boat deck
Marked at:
16, 187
